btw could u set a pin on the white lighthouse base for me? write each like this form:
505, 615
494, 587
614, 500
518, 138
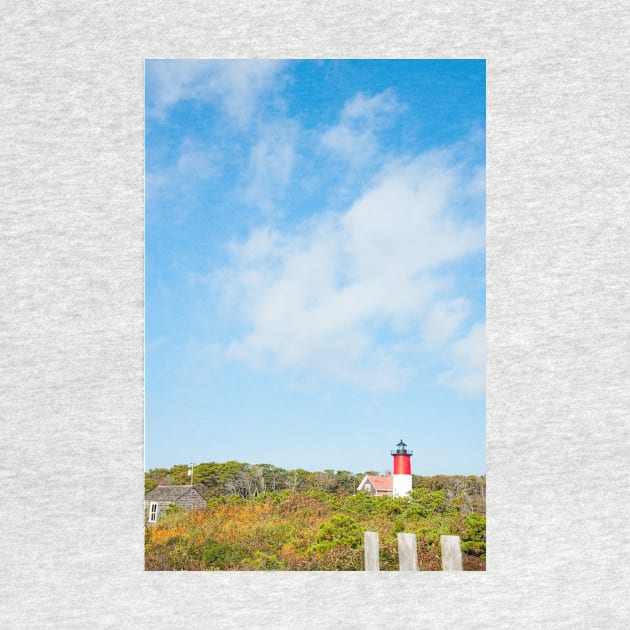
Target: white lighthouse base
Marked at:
402, 485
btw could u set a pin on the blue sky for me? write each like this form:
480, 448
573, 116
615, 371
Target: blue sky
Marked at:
315, 263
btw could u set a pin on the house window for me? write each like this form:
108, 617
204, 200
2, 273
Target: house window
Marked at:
153, 512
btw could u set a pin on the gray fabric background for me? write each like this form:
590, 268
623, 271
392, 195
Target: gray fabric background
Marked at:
71, 315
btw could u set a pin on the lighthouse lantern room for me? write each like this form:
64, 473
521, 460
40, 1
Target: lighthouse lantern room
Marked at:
402, 470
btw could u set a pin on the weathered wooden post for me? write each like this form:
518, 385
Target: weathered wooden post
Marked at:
407, 552
370, 540
451, 553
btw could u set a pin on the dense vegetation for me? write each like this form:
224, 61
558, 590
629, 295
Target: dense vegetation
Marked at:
266, 518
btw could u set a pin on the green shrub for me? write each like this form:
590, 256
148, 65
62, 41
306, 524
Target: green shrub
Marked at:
174, 509
262, 562
424, 500
177, 554
339, 531
475, 525
388, 506
273, 535
337, 559
474, 548
218, 555
474, 538
361, 503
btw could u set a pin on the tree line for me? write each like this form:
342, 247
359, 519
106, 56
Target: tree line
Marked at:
248, 481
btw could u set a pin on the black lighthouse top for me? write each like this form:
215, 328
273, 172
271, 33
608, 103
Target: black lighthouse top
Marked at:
402, 449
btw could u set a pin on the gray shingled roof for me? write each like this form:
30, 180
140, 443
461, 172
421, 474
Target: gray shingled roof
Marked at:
168, 493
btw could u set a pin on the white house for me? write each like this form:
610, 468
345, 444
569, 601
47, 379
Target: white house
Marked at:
377, 486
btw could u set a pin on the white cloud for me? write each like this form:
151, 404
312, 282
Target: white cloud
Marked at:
402, 226
196, 161
177, 182
354, 137
260, 245
345, 294
443, 320
477, 184
370, 107
235, 85
270, 164
355, 146
468, 358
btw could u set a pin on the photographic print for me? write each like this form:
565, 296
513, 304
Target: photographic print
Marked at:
315, 315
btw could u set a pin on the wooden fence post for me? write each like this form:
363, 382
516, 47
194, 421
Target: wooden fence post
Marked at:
370, 540
451, 553
407, 552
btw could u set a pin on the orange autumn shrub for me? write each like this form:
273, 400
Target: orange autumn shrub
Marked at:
160, 536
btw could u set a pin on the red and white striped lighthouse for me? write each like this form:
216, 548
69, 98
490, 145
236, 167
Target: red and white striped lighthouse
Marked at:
402, 470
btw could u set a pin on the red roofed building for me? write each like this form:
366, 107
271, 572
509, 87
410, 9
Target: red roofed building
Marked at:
377, 486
